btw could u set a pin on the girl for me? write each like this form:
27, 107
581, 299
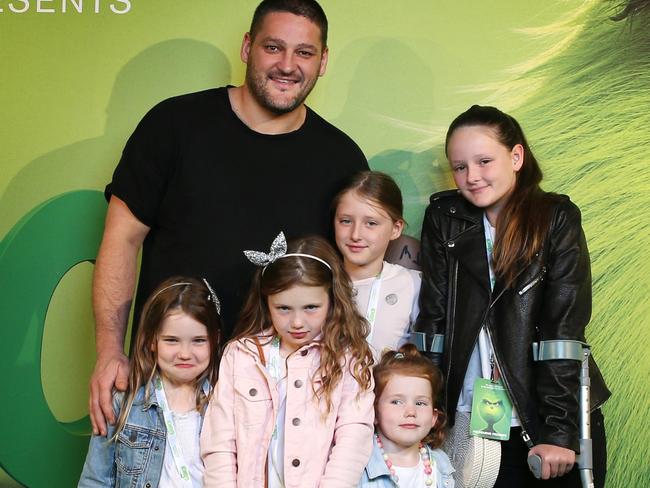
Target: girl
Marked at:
506, 264
155, 441
367, 217
409, 426
293, 405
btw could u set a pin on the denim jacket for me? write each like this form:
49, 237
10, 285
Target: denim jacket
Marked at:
136, 458
377, 475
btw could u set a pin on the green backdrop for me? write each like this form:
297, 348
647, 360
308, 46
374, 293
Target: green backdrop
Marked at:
74, 84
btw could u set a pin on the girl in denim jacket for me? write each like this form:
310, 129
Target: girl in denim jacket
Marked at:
294, 404
174, 365
409, 426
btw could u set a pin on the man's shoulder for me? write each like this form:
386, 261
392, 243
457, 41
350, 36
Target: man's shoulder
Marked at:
204, 99
321, 128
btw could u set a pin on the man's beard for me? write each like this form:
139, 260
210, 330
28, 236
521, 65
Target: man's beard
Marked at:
257, 85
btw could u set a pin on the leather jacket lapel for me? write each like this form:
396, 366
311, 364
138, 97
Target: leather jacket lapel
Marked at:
468, 247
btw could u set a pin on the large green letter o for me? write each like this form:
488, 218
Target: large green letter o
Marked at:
35, 448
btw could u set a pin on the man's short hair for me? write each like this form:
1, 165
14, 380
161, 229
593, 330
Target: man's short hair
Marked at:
310, 9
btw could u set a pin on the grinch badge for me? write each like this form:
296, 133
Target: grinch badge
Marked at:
491, 410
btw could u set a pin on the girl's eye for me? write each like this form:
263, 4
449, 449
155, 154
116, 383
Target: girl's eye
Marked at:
311, 308
421, 403
459, 168
344, 221
170, 340
200, 340
372, 223
485, 161
396, 402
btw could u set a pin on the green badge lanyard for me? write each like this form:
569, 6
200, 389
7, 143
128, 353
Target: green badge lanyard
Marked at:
484, 340
373, 305
172, 438
491, 407
275, 454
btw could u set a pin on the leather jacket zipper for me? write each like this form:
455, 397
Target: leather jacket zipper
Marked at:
524, 434
452, 321
537, 279
526, 438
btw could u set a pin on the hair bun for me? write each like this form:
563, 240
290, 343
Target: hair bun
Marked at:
409, 350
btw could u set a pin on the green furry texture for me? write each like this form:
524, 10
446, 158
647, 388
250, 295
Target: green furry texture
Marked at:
589, 125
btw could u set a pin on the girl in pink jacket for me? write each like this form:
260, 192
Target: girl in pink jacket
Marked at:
293, 406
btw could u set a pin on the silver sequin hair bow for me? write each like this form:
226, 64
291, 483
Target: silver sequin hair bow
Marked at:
278, 250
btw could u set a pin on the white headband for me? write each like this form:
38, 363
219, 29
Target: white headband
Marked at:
278, 251
212, 297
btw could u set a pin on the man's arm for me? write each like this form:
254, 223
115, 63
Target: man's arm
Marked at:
113, 287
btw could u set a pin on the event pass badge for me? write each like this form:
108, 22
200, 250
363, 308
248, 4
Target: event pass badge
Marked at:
491, 411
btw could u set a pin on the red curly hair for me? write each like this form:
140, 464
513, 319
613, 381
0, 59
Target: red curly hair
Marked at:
407, 361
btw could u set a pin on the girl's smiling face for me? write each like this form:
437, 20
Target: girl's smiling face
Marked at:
405, 412
363, 231
485, 171
298, 315
182, 348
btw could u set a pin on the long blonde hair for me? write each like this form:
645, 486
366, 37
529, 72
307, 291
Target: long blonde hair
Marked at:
179, 294
344, 331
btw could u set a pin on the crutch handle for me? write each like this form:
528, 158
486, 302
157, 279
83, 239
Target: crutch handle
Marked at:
535, 465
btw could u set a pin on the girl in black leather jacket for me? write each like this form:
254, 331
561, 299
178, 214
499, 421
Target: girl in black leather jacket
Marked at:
535, 285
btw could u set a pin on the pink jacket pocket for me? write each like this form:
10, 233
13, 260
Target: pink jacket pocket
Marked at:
252, 401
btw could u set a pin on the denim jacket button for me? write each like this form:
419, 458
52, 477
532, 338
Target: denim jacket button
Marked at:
252, 392
295, 463
296, 421
148, 485
156, 448
297, 383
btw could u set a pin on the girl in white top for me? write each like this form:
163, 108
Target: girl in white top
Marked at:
367, 216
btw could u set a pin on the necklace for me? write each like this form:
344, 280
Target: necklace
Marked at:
424, 455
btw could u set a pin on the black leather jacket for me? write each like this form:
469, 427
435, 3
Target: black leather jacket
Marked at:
550, 299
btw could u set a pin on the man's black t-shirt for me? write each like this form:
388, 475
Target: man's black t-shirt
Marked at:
209, 187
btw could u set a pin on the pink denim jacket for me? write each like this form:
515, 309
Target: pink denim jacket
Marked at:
320, 451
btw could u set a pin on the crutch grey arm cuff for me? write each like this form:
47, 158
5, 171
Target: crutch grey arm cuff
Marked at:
558, 349
420, 341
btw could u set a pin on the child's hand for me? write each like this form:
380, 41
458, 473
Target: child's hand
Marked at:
556, 461
109, 371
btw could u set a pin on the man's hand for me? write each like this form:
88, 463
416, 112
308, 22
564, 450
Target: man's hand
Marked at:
556, 461
109, 371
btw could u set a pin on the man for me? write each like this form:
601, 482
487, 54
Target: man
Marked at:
209, 174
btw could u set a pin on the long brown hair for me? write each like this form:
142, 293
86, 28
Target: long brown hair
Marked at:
344, 331
179, 294
407, 361
524, 220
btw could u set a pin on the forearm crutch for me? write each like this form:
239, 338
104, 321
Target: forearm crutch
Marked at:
579, 351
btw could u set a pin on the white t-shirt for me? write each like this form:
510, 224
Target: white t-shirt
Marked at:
411, 477
188, 429
397, 306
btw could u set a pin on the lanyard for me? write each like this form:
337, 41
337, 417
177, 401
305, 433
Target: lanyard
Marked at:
485, 347
275, 453
489, 246
274, 366
373, 304
172, 438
